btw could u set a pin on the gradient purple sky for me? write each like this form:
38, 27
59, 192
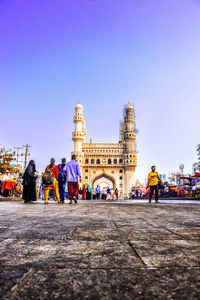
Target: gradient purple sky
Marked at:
54, 52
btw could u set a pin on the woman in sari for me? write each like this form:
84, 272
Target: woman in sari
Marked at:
84, 193
29, 183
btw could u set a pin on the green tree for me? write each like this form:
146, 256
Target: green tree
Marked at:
198, 152
196, 166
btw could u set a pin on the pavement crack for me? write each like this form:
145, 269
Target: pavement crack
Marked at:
183, 237
125, 238
115, 224
20, 284
137, 255
1, 240
69, 236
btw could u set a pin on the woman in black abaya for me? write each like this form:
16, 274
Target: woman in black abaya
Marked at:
29, 183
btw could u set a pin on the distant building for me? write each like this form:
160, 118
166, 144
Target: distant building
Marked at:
107, 164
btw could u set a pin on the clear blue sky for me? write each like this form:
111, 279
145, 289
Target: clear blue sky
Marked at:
54, 52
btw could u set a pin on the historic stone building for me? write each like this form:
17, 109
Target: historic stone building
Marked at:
107, 164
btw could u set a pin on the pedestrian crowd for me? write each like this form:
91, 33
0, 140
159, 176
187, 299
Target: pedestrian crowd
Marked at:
68, 174
58, 178
105, 194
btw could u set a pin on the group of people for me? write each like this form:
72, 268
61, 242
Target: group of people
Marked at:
106, 193
54, 179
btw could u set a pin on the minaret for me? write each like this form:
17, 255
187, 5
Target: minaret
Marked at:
78, 136
128, 139
121, 132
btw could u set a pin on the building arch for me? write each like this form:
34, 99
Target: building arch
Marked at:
104, 178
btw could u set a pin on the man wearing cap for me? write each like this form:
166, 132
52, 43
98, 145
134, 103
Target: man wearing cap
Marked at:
62, 178
54, 186
73, 176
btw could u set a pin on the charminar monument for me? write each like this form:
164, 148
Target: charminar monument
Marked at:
109, 164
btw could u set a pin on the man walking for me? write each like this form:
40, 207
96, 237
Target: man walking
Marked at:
97, 191
109, 193
153, 179
62, 178
73, 175
50, 182
104, 194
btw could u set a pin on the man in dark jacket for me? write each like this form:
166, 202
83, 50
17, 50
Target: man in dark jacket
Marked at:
62, 178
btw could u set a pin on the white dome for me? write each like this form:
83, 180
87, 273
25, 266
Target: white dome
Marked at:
78, 105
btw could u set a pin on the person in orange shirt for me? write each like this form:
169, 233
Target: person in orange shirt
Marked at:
53, 170
153, 180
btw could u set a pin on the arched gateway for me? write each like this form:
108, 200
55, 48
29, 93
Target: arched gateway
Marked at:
107, 164
103, 180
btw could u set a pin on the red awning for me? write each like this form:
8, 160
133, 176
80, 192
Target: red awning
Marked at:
197, 174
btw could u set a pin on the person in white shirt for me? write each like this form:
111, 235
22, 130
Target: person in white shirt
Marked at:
104, 194
166, 191
6, 176
112, 194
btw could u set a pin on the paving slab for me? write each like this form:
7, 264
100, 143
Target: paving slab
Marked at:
193, 233
145, 234
99, 250
9, 278
80, 284
104, 254
168, 253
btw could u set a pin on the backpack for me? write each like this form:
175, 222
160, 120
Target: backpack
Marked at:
47, 177
61, 175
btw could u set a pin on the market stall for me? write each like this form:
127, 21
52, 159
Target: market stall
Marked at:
7, 187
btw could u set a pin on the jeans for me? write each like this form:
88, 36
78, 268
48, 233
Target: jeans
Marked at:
62, 187
152, 189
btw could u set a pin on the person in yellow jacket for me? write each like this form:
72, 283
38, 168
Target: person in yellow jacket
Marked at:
54, 185
153, 180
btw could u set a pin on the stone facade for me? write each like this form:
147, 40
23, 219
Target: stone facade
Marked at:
107, 164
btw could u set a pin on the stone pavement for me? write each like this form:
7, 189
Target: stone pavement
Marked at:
97, 250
